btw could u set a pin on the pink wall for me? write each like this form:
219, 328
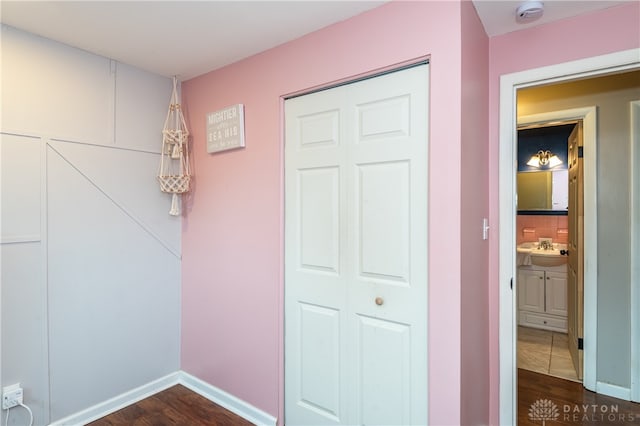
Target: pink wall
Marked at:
233, 233
475, 206
589, 35
530, 228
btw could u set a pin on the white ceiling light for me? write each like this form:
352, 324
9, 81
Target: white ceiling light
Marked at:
529, 11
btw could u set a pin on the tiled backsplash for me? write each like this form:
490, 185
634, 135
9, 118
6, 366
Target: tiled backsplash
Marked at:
530, 228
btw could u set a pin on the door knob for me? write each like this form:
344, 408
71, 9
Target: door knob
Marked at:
379, 301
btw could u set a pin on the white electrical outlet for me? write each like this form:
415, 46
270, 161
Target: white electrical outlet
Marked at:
11, 396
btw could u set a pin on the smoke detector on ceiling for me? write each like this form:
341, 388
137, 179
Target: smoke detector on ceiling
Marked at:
529, 11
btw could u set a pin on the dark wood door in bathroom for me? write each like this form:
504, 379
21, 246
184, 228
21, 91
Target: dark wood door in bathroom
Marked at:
575, 264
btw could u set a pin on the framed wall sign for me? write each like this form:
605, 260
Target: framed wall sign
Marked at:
225, 129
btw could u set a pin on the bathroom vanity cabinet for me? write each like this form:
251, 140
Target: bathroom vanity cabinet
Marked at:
542, 297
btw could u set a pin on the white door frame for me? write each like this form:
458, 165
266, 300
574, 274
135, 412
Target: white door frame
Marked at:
509, 84
635, 250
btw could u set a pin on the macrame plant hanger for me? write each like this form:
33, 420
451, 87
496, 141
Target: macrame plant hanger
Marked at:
174, 174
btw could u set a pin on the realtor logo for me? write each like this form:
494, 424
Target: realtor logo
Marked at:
543, 410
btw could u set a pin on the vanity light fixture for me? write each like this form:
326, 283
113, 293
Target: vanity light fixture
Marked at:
544, 158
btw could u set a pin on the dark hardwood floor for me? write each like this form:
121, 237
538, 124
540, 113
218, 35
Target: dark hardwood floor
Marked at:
563, 402
174, 406
558, 402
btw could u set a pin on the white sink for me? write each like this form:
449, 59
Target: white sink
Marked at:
553, 257
542, 257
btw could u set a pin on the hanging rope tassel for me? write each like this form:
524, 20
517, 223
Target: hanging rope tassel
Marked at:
175, 206
176, 152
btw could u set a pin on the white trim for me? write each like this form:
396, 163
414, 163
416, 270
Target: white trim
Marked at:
212, 393
226, 400
588, 115
635, 250
509, 83
44, 279
118, 402
38, 135
507, 260
613, 390
19, 239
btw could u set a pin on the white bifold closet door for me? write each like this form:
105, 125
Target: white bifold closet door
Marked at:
356, 252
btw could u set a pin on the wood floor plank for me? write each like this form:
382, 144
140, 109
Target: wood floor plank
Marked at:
573, 404
174, 406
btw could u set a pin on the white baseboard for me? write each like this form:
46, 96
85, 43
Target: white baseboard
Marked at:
212, 393
118, 402
613, 390
226, 400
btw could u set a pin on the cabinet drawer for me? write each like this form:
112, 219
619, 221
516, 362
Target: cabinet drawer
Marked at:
543, 321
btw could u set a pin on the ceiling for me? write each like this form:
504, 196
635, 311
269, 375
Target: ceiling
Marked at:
498, 16
190, 38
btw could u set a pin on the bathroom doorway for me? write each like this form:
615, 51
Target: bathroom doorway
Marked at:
510, 86
549, 236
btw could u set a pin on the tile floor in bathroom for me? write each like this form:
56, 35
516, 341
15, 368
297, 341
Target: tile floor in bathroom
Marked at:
545, 352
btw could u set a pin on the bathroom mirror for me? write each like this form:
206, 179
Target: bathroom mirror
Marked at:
545, 191
543, 176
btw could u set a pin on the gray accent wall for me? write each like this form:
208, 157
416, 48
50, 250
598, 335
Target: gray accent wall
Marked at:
90, 258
